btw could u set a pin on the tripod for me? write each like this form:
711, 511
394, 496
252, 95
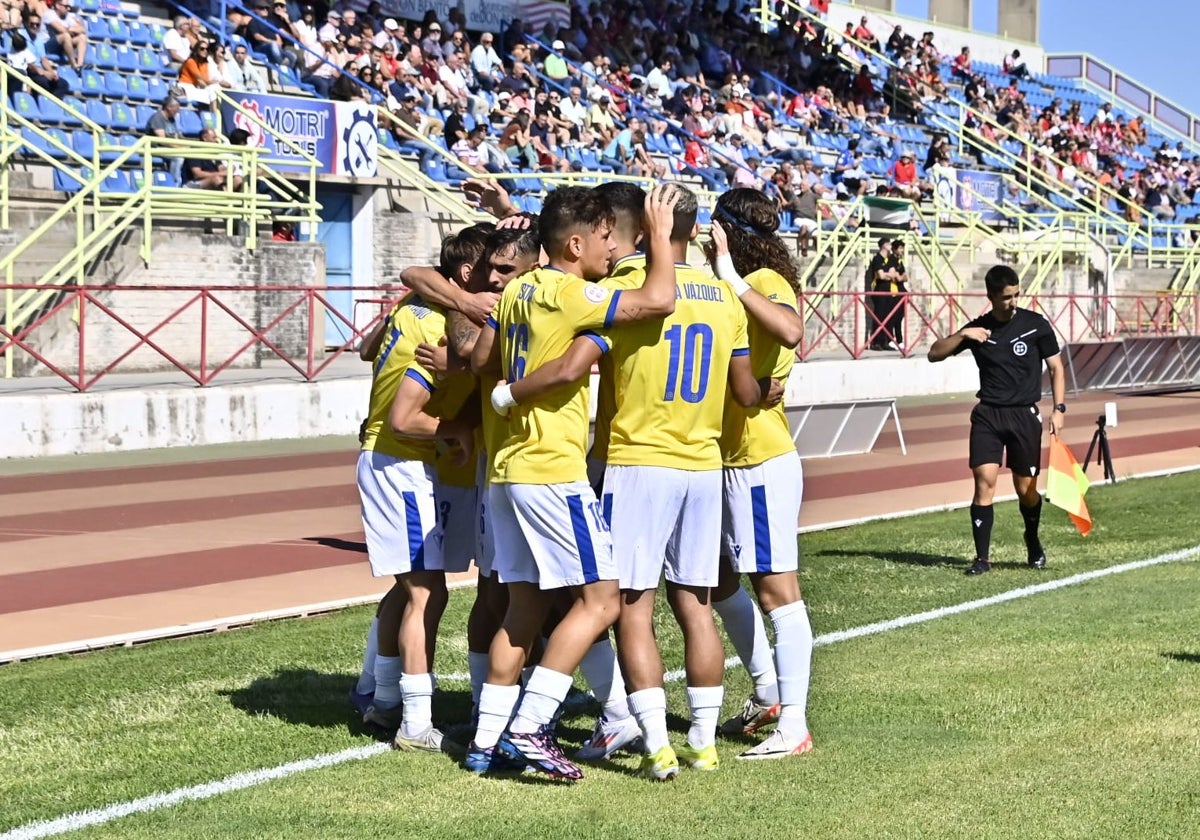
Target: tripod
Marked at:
1103, 453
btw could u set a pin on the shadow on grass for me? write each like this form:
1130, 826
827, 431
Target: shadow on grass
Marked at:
339, 543
1179, 656
907, 558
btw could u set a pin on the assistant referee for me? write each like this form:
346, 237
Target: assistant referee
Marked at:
1009, 345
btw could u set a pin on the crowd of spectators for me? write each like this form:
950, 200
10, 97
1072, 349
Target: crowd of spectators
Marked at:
623, 89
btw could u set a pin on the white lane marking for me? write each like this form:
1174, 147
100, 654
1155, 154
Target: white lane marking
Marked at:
241, 781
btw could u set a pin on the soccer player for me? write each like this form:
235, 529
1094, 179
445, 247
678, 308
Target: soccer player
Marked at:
547, 523
1009, 345
397, 486
763, 485
663, 484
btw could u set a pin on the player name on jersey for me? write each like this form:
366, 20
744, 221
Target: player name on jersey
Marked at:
699, 291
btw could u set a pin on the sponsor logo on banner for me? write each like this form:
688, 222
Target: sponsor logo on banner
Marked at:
342, 136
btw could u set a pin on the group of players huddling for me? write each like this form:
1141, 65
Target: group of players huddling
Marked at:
476, 446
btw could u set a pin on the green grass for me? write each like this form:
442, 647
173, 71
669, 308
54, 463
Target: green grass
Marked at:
1067, 714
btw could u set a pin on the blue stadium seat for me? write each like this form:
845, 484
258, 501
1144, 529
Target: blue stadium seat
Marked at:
126, 59
139, 88
111, 7
83, 143
123, 118
97, 30
148, 61
158, 89
208, 120
67, 73
89, 5
73, 113
386, 139
61, 144
109, 154
157, 31
118, 182
189, 123
38, 141
118, 31
106, 56
66, 183
115, 86
139, 33
99, 113
93, 84
142, 115
27, 106
130, 140
164, 179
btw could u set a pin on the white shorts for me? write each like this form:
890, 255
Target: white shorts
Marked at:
485, 531
457, 508
549, 534
664, 518
399, 515
762, 511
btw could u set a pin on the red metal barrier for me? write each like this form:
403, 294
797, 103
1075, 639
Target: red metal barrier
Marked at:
84, 334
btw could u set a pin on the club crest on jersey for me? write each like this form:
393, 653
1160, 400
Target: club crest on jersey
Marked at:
594, 293
1020, 348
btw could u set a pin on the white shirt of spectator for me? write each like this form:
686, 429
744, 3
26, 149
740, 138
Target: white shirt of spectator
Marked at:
573, 112
244, 76
657, 78
485, 61
20, 61
468, 154
454, 81
175, 44
307, 34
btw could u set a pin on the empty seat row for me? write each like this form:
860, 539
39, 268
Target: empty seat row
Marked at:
120, 31
118, 115
121, 181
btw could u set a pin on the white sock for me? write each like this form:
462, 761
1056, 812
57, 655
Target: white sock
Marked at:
417, 691
387, 681
366, 677
526, 673
705, 704
649, 706
496, 705
544, 693
603, 676
793, 658
477, 666
745, 628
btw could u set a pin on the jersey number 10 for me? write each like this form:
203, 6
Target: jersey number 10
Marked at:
695, 341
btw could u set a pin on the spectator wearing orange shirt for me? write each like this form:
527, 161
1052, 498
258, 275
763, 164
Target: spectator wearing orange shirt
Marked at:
865, 36
194, 77
904, 176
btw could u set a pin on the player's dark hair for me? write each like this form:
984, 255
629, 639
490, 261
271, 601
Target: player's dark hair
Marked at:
628, 203
686, 209
999, 278
464, 247
750, 220
523, 240
571, 210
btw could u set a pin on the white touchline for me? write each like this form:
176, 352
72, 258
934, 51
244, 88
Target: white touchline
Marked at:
241, 781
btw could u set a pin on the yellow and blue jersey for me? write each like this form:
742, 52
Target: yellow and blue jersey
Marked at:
411, 322
629, 272
671, 377
754, 435
537, 318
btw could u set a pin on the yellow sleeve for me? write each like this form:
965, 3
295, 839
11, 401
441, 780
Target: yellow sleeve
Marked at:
586, 306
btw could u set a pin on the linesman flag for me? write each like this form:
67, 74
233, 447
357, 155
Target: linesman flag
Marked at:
1066, 484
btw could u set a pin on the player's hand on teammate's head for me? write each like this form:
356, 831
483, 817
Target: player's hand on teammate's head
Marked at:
720, 238
436, 360
487, 195
660, 210
519, 221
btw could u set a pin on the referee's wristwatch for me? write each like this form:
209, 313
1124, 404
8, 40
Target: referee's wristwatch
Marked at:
1061, 408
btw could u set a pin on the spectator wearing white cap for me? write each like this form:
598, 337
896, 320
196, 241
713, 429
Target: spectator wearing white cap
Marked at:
391, 32
486, 64
556, 66
330, 30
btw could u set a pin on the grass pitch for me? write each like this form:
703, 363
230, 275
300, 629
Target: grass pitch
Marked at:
1070, 713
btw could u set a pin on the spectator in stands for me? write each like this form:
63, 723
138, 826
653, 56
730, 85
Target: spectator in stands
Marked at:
455, 79
469, 152
431, 44
10, 15
904, 177
865, 36
241, 72
29, 57
176, 43
351, 27
321, 70
486, 64
331, 28
556, 66
600, 120
163, 124
897, 42
264, 38
305, 29
961, 68
195, 78
457, 44
1014, 67
67, 31
547, 102
208, 173
801, 200
574, 110
644, 165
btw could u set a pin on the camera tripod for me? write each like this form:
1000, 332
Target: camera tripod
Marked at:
1103, 453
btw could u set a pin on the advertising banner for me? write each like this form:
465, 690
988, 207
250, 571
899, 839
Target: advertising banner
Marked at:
342, 136
970, 191
490, 15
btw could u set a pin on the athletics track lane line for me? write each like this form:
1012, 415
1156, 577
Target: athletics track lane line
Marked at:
251, 778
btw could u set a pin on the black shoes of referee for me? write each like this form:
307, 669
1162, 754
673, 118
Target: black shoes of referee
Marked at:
1036, 560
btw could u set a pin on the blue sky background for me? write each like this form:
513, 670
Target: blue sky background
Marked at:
1152, 41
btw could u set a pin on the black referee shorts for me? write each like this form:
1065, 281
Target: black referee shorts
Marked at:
1015, 429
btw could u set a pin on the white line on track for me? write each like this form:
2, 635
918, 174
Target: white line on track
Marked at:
251, 778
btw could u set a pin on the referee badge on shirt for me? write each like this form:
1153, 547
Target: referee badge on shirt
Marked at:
1020, 348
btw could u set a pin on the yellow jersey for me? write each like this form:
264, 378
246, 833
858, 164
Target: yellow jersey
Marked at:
754, 435
411, 322
672, 375
537, 318
495, 427
448, 399
629, 272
